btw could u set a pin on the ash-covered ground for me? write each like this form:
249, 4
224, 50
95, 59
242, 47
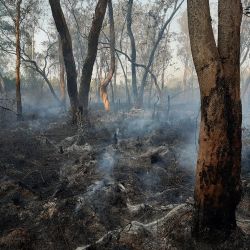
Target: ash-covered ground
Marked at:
124, 181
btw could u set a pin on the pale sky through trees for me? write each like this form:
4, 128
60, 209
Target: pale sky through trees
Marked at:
173, 71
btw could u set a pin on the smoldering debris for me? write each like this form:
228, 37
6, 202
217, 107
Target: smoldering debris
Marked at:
121, 185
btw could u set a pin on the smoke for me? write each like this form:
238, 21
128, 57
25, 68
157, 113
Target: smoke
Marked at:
107, 162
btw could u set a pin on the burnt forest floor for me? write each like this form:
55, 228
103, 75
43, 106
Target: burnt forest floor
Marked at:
123, 182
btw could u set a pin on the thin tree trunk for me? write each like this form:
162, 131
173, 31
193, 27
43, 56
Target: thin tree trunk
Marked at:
115, 85
104, 84
18, 60
217, 187
163, 76
112, 93
62, 73
126, 80
2, 84
91, 55
68, 56
133, 49
97, 80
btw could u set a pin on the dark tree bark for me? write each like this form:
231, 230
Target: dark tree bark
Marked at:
91, 55
218, 186
68, 56
104, 84
18, 60
133, 49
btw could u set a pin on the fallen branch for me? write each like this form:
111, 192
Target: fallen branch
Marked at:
8, 109
134, 226
152, 226
101, 240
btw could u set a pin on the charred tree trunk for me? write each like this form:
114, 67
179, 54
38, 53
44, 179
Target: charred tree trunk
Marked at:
68, 56
18, 60
133, 49
91, 55
61, 73
104, 84
218, 186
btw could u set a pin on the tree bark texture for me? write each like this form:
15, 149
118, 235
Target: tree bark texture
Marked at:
68, 56
91, 55
218, 186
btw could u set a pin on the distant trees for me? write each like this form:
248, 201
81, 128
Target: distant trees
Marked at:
184, 51
143, 52
13, 11
133, 49
153, 50
31, 61
218, 186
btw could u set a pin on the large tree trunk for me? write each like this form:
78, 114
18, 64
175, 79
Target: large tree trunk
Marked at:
18, 60
91, 55
68, 56
104, 84
61, 73
217, 187
133, 49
